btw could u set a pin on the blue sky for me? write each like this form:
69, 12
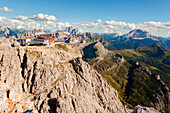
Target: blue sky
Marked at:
77, 11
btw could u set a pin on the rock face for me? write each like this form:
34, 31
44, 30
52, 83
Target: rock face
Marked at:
56, 79
140, 109
88, 34
72, 30
94, 50
10, 101
135, 38
163, 92
69, 29
143, 68
139, 34
31, 34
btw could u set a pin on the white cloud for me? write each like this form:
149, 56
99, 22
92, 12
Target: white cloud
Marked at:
42, 17
155, 26
99, 20
6, 9
50, 23
47, 22
38, 17
16, 24
24, 18
62, 25
115, 26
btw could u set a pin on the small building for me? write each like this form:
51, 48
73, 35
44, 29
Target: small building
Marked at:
25, 41
43, 39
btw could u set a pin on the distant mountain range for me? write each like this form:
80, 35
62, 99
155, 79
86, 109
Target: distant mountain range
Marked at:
138, 34
133, 39
136, 38
5, 31
108, 35
20, 31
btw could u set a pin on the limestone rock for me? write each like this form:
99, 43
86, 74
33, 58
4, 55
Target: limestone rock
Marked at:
140, 109
56, 80
94, 50
10, 101
72, 30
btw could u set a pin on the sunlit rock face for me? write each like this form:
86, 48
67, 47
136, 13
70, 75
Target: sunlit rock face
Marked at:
55, 78
11, 102
141, 109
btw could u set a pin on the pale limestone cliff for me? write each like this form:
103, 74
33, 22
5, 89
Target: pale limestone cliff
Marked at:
140, 109
95, 50
56, 79
12, 102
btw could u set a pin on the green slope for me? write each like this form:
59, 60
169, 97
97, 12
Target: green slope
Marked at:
154, 56
136, 86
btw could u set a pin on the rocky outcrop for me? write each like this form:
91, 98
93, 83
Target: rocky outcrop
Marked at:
143, 68
94, 50
71, 30
88, 34
11, 102
72, 39
5, 31
139, 34
164, 93
140, 109
11, 56
31, 34
56, 80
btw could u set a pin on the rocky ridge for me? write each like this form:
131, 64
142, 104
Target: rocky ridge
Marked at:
5, 31
115, 69
56, 79
139, 34
31, 34
72, 30
94, 50
140, 109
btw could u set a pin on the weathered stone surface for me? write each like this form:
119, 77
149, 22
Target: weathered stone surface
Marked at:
140, 109
94, 50
11, 102
56, 80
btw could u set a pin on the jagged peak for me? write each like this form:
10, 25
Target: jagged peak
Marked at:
94, 50
5, 31
138, 31
69, 29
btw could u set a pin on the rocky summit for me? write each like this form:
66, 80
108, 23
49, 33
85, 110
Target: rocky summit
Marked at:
5, 31
56, 79
139, 34
94, 50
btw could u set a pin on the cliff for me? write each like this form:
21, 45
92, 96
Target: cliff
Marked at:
56, 79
